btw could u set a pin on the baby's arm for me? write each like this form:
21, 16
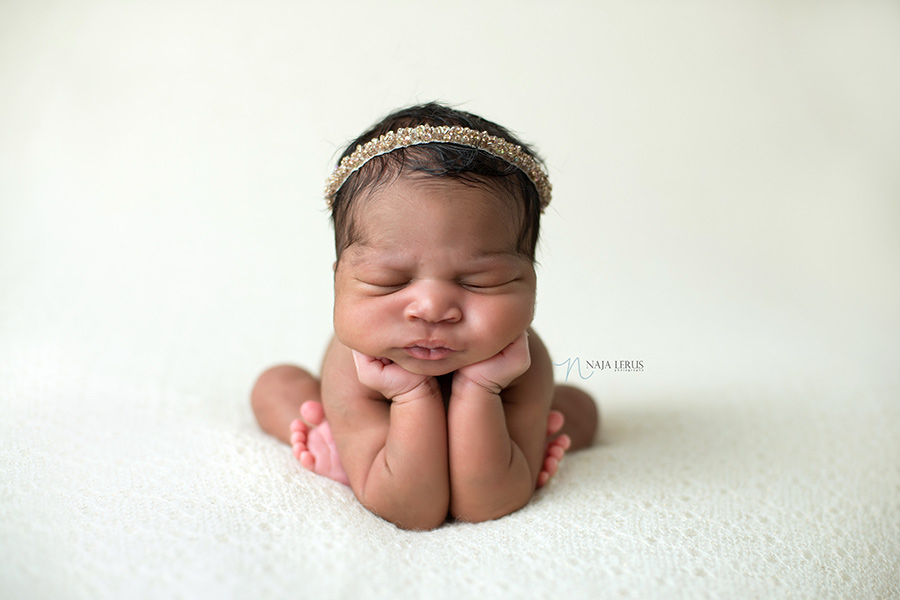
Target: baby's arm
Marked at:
497, 421
394, 452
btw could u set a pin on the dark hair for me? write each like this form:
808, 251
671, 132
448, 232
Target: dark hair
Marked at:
468, 165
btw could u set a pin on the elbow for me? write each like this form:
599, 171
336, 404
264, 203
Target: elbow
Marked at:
476, 516
481, 512
413, 520
421, 524
419, 510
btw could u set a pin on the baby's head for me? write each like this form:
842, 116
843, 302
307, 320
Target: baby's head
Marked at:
523, 190
435, 230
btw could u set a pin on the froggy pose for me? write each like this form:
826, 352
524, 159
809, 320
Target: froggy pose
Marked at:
436, 397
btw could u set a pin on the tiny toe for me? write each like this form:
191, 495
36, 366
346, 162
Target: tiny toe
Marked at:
298, 436
307, 460
556, 452
313, 412
555, 421
551, 465
543, 478
564, 442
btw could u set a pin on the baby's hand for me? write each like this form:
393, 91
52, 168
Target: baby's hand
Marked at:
387, 377
498, 371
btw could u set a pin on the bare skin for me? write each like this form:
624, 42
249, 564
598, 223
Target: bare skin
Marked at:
284, 391
436, 397
313, 444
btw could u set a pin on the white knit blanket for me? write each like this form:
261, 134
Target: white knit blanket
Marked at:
114, 489
725, 212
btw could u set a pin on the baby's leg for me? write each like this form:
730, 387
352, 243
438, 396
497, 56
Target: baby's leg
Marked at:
314, 445
581, 415
571, 425
555, 449
279, 396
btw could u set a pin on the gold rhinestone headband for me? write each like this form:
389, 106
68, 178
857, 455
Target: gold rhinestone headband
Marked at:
427, 134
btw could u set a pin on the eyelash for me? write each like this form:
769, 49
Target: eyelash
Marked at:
392, 287
479, 287
387, 286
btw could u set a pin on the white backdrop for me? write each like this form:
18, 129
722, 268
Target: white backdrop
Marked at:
726, 201
714, 168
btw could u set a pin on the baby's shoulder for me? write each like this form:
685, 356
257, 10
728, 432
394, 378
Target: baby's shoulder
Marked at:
338, 369
334, 355
340, 381
540, 356
539, 376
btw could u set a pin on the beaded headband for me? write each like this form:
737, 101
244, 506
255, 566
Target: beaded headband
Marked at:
428, 134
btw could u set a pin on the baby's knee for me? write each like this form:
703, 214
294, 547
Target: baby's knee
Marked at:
568, 397
274, 382
582, 415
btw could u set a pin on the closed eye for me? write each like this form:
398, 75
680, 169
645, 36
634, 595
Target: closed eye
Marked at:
385, 286
486, 285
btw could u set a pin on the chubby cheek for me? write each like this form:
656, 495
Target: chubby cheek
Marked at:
360, 323
498, 321
373, 325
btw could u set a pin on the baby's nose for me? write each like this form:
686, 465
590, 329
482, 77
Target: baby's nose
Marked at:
434, 302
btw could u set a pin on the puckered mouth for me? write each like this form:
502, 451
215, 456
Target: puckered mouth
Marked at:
429, 351
431, 344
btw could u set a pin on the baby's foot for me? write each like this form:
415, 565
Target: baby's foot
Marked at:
314, 445
556, 448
